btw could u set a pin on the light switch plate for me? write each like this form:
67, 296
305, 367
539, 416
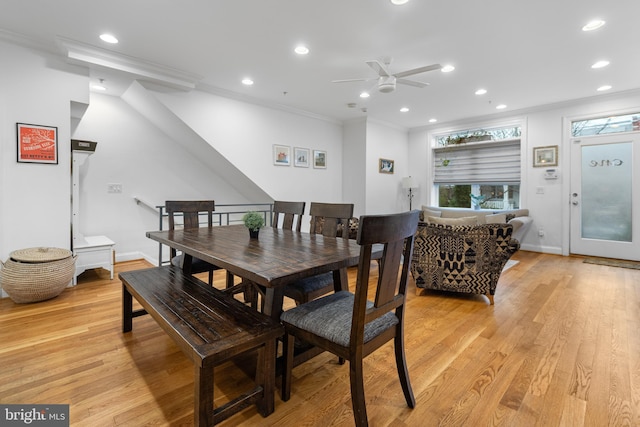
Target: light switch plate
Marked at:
114, 188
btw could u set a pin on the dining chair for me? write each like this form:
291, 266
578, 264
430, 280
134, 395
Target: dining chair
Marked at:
326, 219
352, 325
285, 215
290, 212
190, 210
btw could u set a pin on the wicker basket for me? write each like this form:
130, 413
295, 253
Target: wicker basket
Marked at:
37, 274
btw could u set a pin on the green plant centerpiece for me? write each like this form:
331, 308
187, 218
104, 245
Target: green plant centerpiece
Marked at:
254, 222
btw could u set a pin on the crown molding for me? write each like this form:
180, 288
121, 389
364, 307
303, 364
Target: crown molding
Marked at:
87, 54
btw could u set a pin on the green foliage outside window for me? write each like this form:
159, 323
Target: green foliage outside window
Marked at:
455, 196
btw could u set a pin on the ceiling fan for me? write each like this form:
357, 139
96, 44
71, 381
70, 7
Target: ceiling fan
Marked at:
387, 81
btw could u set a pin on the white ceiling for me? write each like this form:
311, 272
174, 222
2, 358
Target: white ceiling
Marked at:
525, 53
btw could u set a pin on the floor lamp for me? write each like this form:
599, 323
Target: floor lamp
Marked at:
409, 183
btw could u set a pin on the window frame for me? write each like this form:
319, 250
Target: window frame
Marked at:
437, 134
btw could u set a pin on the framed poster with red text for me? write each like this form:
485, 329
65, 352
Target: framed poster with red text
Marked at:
37, 144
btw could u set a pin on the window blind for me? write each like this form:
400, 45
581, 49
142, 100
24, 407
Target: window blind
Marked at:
480, 163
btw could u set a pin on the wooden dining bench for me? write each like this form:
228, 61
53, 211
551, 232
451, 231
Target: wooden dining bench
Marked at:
210, 327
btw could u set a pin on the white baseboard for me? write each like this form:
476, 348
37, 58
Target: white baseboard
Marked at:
554, 250
131, 256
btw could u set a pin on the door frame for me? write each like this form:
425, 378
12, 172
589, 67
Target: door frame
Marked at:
565, 162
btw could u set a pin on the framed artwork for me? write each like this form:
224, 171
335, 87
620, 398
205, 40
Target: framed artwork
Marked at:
386, 166
301, 157
545, 156
37, 144
319, 159
281, 155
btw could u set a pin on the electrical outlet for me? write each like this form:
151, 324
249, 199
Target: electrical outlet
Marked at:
540, 232
114, 188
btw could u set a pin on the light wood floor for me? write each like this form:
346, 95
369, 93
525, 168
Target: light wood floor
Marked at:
561, 347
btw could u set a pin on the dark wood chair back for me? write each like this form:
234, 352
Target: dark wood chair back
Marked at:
190, 211
327, 217
353, 325
290, 212
396, 232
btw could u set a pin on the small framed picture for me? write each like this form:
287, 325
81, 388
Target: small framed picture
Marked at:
386, 166
319, 159
301, 157
281, 155
545, 156
37, 144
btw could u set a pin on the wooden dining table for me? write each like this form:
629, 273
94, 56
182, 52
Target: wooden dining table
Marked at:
276, 258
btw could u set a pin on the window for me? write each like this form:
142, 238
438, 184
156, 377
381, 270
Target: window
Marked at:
478, 168
605, 125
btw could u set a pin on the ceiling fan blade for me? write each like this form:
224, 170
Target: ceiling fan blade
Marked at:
379, 68
418, 70
351, 80
412, 83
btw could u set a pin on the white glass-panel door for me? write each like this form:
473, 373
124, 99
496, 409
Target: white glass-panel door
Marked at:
605, 203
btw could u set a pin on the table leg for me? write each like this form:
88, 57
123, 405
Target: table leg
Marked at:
340, 280
273, 300
127, 309
186, 264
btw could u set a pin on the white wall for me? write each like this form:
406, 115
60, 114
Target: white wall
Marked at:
550, 210
354, 168
148, 164
36, 88
245, 133
383, 191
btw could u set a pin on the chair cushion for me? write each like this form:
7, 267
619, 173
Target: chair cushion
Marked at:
330, 318
197, 265
308, 285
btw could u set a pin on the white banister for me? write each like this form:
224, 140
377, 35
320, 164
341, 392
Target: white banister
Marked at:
143, 202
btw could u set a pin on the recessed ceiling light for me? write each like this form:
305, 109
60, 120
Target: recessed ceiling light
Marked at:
481, 91
603, 88
593, 25
447, 68
301, 50
433, 120
247, 81
364, 95
108, 38
501, 107
399, 2
600, 64
404, 110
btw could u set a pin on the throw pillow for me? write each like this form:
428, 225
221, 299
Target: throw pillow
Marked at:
465, 220
496, 219
426, 213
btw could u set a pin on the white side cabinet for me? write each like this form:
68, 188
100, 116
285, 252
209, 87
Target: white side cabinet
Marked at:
93, 252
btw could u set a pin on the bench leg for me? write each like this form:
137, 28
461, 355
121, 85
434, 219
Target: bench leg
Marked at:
203, 397
266, 377
127, 309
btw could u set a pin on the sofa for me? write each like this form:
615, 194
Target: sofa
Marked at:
461, 258
518, 218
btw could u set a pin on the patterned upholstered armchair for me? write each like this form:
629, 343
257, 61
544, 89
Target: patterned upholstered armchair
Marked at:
461, 258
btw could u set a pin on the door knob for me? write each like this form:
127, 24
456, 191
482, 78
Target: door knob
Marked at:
575, 202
